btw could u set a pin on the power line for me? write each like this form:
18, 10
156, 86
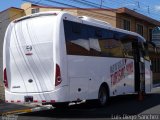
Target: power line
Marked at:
104, 15
84, 2
71, 6
140, 7
148, 9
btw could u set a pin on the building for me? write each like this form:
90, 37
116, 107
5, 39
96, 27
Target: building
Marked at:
156, 58
6, 17
123, 18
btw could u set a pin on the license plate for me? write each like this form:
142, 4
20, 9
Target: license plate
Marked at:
28, 98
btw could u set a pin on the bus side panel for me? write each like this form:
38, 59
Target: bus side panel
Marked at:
122, 76
86, 74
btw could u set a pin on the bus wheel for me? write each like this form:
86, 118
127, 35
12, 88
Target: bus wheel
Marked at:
61, 105
103, 96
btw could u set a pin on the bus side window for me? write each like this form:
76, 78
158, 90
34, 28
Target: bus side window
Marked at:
87, 40
81, 37
127, 45
77, 42
93, 35
146, 52
90, 35
116, 46
104, 43
110, 44
98, 32
76, 28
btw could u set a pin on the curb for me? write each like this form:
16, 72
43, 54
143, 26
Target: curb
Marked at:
16, 112
36, 109
155, 89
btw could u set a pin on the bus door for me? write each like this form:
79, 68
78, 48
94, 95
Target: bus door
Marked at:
139, 64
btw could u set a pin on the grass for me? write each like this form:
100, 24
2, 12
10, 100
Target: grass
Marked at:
1, 92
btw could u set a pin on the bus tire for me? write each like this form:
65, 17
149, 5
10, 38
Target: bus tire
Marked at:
103, 96
61, 105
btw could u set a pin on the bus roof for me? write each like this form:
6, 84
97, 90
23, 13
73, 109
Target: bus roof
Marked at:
92, 21
38, 14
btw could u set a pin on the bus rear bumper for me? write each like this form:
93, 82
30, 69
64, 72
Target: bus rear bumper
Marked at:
58, 95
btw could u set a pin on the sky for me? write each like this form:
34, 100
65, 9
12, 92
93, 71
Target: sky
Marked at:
4, 4
149, 8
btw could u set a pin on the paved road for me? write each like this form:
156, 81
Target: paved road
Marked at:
124, 106
7, 107
118, 108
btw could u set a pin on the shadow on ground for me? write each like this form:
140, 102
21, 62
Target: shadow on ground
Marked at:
120, 105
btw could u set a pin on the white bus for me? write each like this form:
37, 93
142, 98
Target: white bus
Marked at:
55, 57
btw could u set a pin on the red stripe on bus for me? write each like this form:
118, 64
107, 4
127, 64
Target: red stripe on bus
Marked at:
35, 101
43, 100
18, 101
53, 101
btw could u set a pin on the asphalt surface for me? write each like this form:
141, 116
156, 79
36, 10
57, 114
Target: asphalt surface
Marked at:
119, 106
8, 107
126, 107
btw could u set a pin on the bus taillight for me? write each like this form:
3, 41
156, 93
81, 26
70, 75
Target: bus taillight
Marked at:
5, 78
58, 79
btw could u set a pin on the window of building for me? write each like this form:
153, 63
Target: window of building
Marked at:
126, 25
35, 10
156, 65
153, 65
139, 29
150, 34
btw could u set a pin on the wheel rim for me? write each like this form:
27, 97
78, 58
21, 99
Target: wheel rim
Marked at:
103, 96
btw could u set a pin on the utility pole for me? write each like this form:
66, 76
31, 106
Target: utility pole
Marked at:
148, 10
101, 3
138, 4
